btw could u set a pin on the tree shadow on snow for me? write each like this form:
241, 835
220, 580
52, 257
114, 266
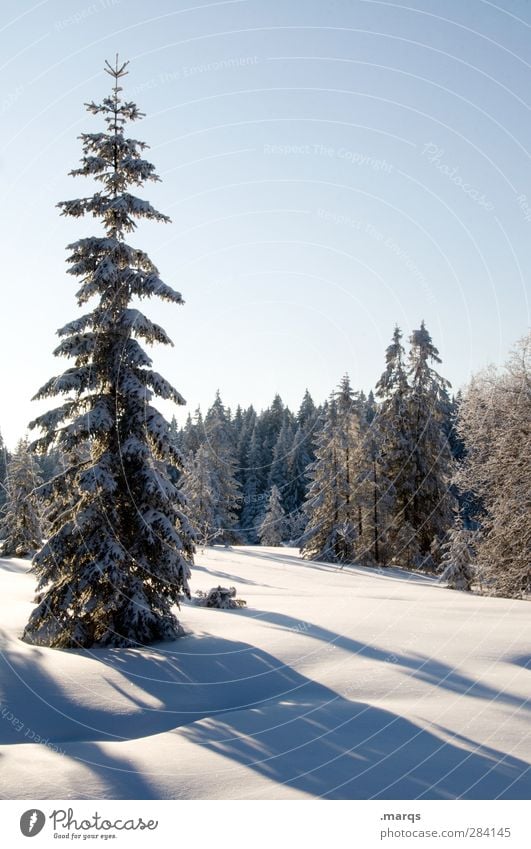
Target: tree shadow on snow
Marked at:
8, 565
228, 577
384, 573
419, 666
245, 704
332, 748
523, 660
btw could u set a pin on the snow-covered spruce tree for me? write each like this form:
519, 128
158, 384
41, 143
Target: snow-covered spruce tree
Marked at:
121, 546
253, 495
396, 442
21, 525
199, 486
274, 526
221, 454
269, 425
377, 490
430, 509
308, 413
458, 558
193, 433
333, 511
280, 473
406, 552
243, 442
297, 483
4, 458
494, 422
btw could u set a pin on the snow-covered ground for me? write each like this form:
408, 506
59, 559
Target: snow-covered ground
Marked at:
347, 684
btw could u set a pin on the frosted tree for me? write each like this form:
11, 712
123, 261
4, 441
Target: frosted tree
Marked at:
4, 457
21, 525
120, 549
405, 552
193, 433
430, 509
223, 465
297, 483
279, 474
377, 491
307, 415
333, 512
458, 558
494, 424
253, 497
308, 419
237, 424
243, 442
273, 527
396, 445
270, 424
199, 486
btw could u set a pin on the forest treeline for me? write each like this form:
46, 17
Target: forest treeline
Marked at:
406, 475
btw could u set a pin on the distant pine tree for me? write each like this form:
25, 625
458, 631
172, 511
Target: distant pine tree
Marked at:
223, 463
270, 424
333, 513
4, 459
405, 552
243, 442
193, 433
21, 525
432, 502
199, 486
280, 473
458, 558
299, 460
377, 491
254, 499
273, 528
121, 546
396, 445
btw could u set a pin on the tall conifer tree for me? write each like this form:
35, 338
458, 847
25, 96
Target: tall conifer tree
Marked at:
221, 452
273, 527
333, 512
4, 458
22, 521
120, 549
396, 440
432, 502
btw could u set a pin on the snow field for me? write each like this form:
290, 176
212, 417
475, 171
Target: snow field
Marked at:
345, 684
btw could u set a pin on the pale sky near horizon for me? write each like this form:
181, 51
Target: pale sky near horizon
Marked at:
330, 169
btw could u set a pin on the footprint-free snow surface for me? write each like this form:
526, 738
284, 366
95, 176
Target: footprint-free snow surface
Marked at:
339, 684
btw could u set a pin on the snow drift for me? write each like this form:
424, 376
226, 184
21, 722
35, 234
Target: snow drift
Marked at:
340, 684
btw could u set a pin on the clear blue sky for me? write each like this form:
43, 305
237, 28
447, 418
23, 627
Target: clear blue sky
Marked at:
330, 168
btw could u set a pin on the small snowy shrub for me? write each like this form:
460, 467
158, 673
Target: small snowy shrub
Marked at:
223, 598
